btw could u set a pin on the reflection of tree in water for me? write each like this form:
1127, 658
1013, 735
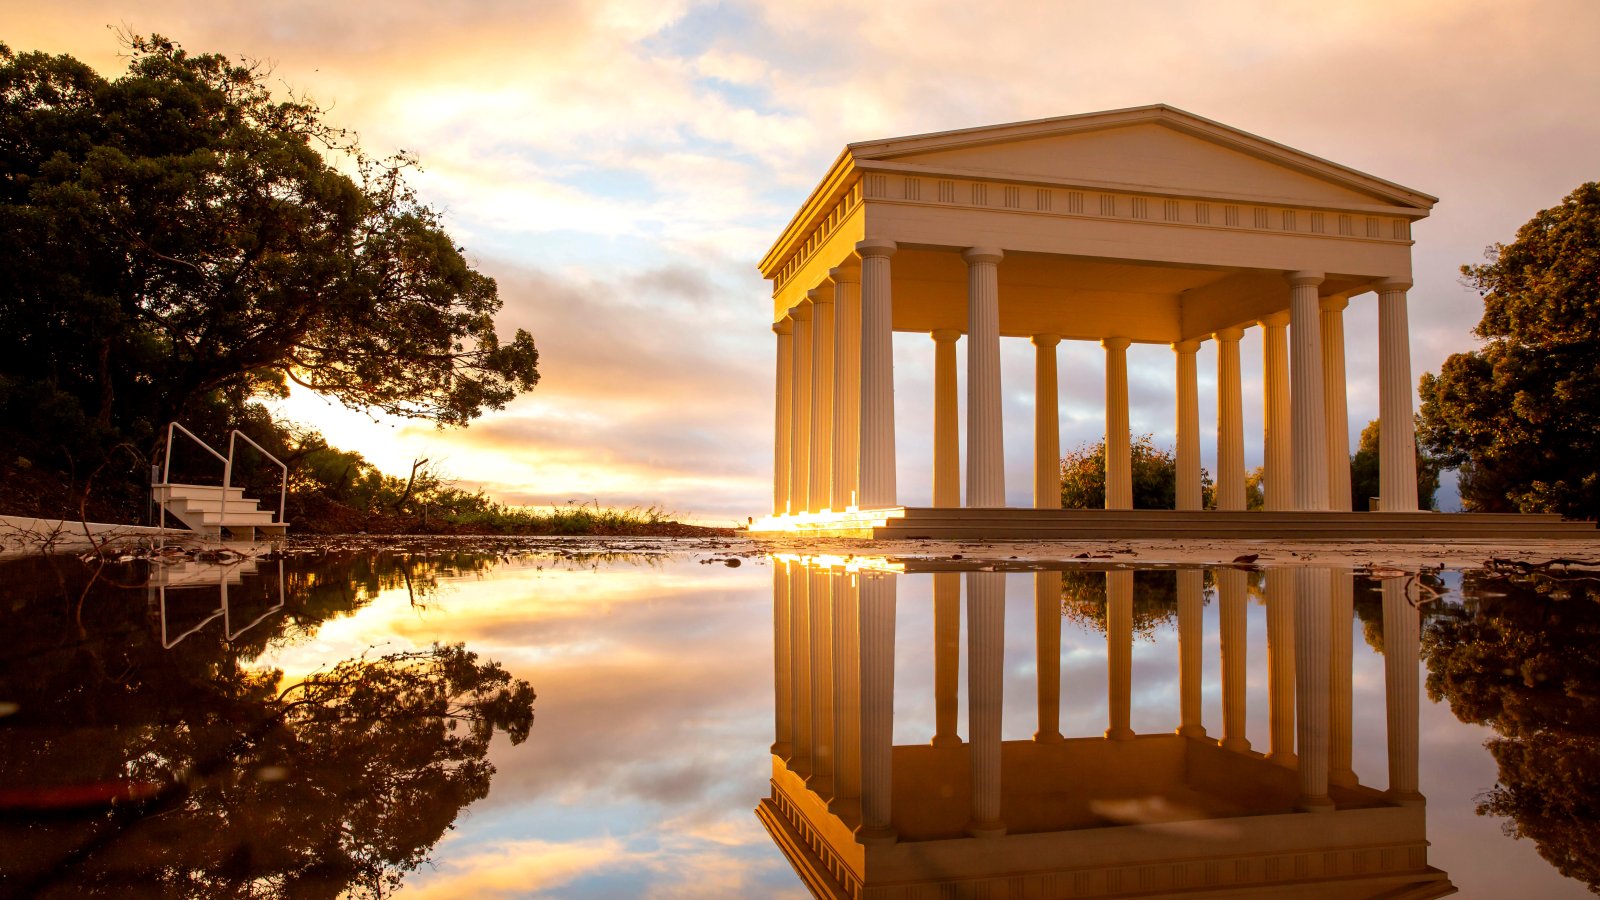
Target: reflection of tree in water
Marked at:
1368, 602
1155, 599
1523, 656
129, 769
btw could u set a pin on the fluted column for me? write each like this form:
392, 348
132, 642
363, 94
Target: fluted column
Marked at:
1277, 432
1046, 424
1336, 402
986, 622
1119, 654
800, 669
1312, 656
986, 461
846, 691
946, 657
1280, 667
1233, 600
1309, 423
877, 377
946, 421
1188, 426
1341, 606
822, 674
1191, 652
846, 384
781, 684
1397, 438
1119, 455
784, 415
1047, 653
823, 336
877, 706
1230, 421
800, 430
1401, 649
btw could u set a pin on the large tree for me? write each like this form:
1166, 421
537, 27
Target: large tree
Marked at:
178, 238
1155, 476
1365, 479
1521, 415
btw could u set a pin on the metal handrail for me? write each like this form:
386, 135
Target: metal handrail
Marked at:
227, 473
166, 466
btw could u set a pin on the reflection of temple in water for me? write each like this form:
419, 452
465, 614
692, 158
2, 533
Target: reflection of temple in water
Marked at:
1121, 814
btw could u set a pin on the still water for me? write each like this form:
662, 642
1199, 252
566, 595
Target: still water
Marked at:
662, 721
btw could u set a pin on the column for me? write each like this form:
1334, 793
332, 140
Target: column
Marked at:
823, 336
1119, 654
1191, 653
1230, 421
1280, 668
781, 684
1233, 603
800, 668
946, 657
877, 377
1047, 653
1119, 455
846, 692
1188, 425
1046, 424
946, 422
1308, 426
1341, 611
1397, 439
986, 461
1401, 649
846, 385
800, 431
877, 593
1336, 402
986, 623
1277, 435
784, 415
822, 673
1312, 667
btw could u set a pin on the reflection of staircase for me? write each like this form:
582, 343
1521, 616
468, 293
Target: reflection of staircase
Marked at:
201, 508
190, 573
193, 574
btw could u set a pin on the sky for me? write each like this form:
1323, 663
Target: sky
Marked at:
620, 166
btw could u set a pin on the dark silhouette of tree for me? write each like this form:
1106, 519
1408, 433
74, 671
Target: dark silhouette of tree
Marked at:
1155, 599
1364, 483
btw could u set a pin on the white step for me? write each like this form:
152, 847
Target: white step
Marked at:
211, 492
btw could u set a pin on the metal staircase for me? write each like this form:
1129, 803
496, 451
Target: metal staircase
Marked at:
191, 575
219, 512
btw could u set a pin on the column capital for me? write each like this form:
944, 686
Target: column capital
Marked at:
1396, 283
1185, 346
1275, 320
1115, 343
976, 255
1302, 278
849, 273
945, 335
801, 311
1334, 303
876, 248
1046, 340
818, 296
784, 325
1228, 334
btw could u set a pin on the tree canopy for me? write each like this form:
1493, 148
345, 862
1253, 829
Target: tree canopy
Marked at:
1364, 472
178, 237
1521, 415
1155, 476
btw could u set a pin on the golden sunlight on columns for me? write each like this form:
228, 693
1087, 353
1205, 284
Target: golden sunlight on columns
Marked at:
1341, 609
1191, 651
822, 337
986, 461
1336, 403
877, 706
1188, 426
1047, 653
846, 384
846, 691
986, 658
1046, 424
1119, 455
877, 377
822, 675
1309, 444
799, 669
782, 687
1276, 434
946, 657
1233, 604
1119, 654
1397, 438
1280, 667
1312, 622
946, 421
800, 431
784, 414
1230, 421
1401, 649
